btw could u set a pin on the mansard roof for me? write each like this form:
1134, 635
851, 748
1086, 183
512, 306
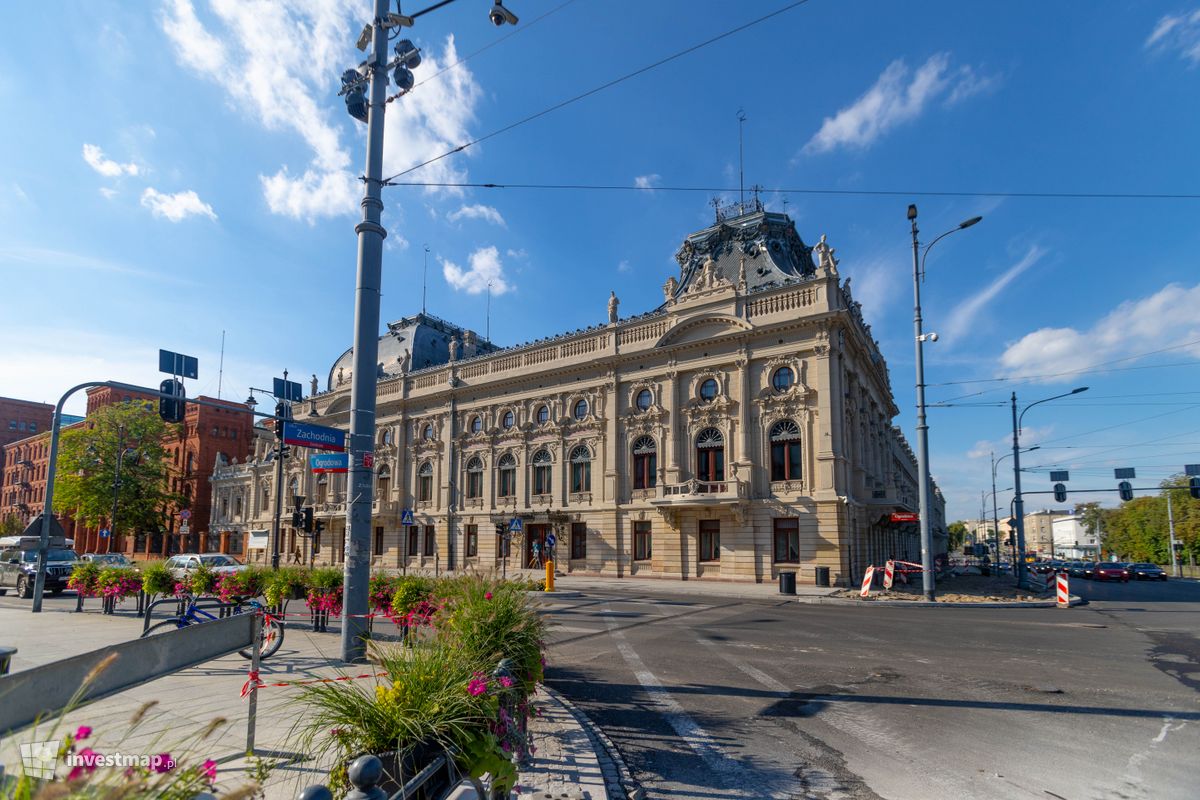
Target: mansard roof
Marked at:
774, 253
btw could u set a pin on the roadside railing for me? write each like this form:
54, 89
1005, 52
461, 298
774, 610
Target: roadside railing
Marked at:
436, 781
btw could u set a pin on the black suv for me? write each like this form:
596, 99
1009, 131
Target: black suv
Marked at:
18, 569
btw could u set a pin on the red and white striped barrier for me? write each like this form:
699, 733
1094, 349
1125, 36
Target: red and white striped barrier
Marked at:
1064, 595
866, 584
889, 573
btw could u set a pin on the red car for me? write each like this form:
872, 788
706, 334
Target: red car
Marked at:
1110, 571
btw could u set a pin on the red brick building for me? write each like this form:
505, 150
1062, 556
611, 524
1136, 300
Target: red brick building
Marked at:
207, 436
20, 419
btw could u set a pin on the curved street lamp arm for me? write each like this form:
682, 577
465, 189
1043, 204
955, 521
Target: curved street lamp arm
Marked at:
1047, 400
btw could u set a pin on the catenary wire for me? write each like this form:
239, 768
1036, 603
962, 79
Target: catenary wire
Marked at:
600, 88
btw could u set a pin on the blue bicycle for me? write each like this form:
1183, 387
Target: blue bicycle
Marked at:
269, 641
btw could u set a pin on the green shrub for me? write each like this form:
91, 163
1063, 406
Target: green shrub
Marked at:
203, 580
157, 579
248, 582
410, 592
489, 619
284, 584
118, 582
83, 578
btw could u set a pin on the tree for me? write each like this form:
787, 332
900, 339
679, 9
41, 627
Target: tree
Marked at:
87, 469
11, 525
958, 535
1138, 530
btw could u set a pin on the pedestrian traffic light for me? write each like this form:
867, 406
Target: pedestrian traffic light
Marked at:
1060, 493
308, 520
171, 409
1194, 488
1126, 490
297, 519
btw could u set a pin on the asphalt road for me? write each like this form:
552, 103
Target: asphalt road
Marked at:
718, 698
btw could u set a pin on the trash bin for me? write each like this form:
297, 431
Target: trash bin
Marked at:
822, 576
787, 583
6, 654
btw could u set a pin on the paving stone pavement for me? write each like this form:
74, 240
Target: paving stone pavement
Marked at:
571, 762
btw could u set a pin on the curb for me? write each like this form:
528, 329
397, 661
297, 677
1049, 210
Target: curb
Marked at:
619, 782
839, 601
570, 593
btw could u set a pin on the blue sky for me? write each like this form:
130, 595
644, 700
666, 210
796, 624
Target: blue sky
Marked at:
171, 170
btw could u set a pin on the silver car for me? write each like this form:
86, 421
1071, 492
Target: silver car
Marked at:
186, 563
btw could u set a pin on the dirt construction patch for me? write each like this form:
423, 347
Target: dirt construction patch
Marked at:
958, 589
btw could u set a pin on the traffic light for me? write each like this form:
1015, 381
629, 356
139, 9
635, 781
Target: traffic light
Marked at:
318, 526
1060, 493
1126, 490
171, 409
298, 519
1194, 488
308, 520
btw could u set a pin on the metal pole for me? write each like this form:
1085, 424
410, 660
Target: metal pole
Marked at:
366, 352
112, 520
922, 428
1018, 503
1171, 529
275, 531
256, 631
995, 515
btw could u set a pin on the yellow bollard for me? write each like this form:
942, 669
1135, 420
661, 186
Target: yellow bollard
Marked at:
549, 576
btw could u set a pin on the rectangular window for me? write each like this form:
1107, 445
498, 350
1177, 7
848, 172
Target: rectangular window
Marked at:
33, 427
578, 540
581, 476
508, 482
412, 540
430, 540
472, 541
644, 472
541, 480
474, 484
641, 541
379, 541
787, 541
710, 540
425, 493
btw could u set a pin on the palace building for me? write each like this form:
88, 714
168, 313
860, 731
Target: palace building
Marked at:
740, 429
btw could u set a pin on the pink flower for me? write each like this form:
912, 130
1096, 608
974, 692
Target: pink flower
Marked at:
82, 732
162, 763
86, 763
506, 681
209, 769
476, 687
487, 596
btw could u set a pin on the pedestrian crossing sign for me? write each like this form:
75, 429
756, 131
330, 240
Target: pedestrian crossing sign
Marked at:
406, 517
516, 525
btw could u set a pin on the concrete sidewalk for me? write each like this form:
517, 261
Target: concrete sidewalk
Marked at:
708, 588
570, 761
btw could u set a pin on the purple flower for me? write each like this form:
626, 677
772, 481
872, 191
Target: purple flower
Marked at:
82, 732
506, 681
162, 763
209, 769
476, 687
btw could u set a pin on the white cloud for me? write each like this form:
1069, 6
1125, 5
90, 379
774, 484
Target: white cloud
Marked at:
94, 156
624, 266
1167, 316
108, 193
282, 70
895, 98
517, 254
964, 314
647, 181
875, 285
176, 207
485, 268
477, 211
1180, 33
22, 258
1002, 446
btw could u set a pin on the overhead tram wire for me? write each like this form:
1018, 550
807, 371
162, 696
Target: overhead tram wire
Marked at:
597, 89
775, 190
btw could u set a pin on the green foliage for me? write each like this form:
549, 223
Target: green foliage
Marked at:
84, 577
325, 579
11, 525
1138, 530
284, 584
157, 579
244, 583
958, 535
411, 590
203, 580
491, 619
87, 466
119, 582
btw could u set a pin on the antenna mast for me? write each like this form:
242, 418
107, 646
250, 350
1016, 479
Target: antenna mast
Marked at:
741, 116
221, 370
424, 278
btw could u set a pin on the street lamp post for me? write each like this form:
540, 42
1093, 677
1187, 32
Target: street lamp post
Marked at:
995, 499
282, 411
112, 520
922, 427
1018, 503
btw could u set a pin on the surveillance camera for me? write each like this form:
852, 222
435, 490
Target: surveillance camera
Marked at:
500, 15
933, 337
364, 38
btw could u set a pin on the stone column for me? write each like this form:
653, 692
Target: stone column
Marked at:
670, 443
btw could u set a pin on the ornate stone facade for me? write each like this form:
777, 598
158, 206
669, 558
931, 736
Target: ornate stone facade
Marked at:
741, 429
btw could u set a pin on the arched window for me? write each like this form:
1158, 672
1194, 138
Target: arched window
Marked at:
785, 451
425, 482
541, 472
543, 415
383, 484
475, 477
710, 456
476, 424
708, 390
644, 399
581, 469
385, 438
783, 379
293, 488
509, 420
266, 496
581, 409
507, 466
427, 433
645, 463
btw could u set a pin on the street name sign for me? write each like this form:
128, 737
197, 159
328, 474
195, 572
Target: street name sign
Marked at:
329, 462
318, 437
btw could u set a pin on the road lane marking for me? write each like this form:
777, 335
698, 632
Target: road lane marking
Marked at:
684, 726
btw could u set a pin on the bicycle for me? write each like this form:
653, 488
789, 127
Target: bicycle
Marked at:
270, 639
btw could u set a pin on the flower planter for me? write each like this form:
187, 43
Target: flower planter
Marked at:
320, 620
400, 767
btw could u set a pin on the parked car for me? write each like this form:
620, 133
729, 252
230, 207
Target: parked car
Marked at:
1147, 572
18, 569
107, 559
183, 564
1110, 571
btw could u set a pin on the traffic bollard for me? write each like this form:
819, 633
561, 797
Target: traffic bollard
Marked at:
549, 576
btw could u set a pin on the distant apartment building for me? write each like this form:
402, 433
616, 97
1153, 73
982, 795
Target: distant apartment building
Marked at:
1072, 540
1039, 532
